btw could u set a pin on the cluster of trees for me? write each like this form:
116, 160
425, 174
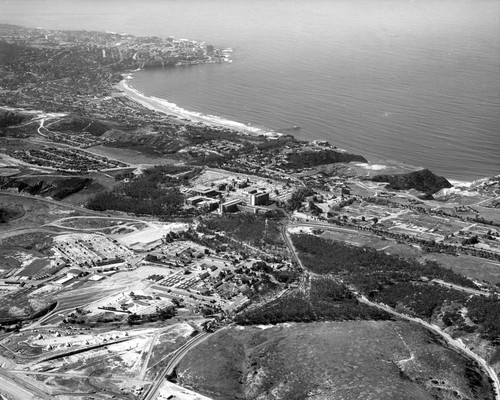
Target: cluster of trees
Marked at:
367, 268
57, 188
160, 314
9, 52
308, 159
286, 276
146, 194
470, 241
397, 282
298, 197
171, 174
419, 298
10, 212
9, 118
327, 300
423, 181
256, 229
484, 311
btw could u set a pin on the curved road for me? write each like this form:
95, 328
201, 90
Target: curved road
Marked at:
177, 356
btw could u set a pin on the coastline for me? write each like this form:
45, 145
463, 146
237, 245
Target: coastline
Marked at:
174, 111
182, 115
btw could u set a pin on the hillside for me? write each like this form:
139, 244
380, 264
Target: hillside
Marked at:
334, 361
423, 181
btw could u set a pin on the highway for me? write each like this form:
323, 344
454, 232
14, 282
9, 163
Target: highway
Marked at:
70, 303
177, 356
19, 389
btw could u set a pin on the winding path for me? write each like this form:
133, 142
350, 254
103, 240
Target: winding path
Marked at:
457, 345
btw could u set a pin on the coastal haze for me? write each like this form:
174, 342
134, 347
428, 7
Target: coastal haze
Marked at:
416, 82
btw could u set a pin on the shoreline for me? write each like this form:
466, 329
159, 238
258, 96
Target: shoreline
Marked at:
174, 111
182, 115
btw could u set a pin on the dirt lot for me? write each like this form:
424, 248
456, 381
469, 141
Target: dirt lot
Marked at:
334, 360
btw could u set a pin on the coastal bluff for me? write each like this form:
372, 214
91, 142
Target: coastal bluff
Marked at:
423, 180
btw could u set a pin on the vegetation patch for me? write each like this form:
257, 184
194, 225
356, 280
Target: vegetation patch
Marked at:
402, 283
367, 268
154, 192
308, 159
55, 187
330, 360
326, 300
260, 229
10, 212
38, 241
423, 181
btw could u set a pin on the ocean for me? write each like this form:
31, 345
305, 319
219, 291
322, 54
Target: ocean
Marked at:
394, 80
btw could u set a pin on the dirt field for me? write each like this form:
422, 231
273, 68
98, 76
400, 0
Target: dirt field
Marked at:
334, 360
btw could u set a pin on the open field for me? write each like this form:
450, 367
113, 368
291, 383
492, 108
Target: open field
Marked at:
37, 212
472, 267
334, 360
490, 214
130, 156
389, 246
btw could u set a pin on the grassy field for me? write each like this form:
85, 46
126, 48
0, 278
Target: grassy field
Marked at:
333, 360
472, 267
373, 241
131, 156
490, 214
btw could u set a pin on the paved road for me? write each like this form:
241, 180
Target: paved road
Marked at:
288, 242
177, 356
19, 389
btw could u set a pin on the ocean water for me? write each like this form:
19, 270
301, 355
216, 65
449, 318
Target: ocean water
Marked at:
412, 81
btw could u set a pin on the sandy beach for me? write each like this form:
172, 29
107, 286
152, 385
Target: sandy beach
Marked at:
172, 110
